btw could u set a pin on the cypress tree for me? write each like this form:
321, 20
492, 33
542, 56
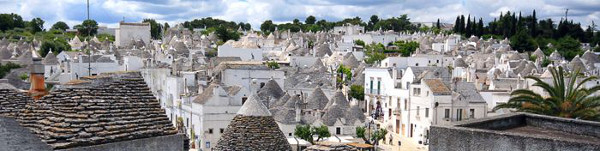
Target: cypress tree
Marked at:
457, 25
480, 28
462, 24
533, 25
438, 24
468, 31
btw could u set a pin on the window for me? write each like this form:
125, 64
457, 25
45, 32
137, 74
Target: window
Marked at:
437, 61
390, 100
244, 100
405, 104
447, 113
338, 131
427, 93
394, 64
459, 114
426, 112
378, 85
471, 113
221, 130
418, 110
210, 131
207, 144
289, 134
187, 122
371, 86
417, 91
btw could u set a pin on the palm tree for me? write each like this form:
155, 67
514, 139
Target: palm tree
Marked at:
568, 100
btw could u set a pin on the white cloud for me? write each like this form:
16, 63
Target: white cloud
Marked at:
109, 12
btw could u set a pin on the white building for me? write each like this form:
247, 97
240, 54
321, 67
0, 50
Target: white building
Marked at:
128, 32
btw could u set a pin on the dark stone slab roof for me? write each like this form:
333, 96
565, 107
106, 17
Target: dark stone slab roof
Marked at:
317, 100
17, 138
102, 109
253, 129
271, 91
12, 101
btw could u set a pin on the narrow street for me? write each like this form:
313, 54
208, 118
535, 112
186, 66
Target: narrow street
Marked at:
407, 144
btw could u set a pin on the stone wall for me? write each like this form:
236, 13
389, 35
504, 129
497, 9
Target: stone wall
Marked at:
491, 134
160, 143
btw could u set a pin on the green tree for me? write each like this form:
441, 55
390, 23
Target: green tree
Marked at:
56, 46
357, 92
87, 28
304, 132
321, 132
359, 42
378, 135
36, 25
60, 25
166, 26
267, 26
360, 133
310, 20
345, 73
11, 21
155, 28
522, 42
568, 47
5, 69
273, 65
225, 34
567, 97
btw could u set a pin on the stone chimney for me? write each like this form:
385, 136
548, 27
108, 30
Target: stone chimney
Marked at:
38, 87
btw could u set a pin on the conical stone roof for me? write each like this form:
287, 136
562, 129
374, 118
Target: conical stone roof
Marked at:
538, 53
576, 64
253, 128
339, 99
271, 91
317, 100
350, 61
590, 57
459, 62
50, 59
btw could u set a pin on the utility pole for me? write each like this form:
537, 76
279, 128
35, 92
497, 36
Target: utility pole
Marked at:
89, 34
566, 14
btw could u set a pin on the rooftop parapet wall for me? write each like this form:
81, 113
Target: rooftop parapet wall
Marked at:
520, 132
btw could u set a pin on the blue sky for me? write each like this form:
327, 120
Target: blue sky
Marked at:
110, 12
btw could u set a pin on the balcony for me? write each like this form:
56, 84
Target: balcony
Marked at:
397, 112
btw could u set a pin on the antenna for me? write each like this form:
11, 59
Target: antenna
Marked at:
89, 48
566, 14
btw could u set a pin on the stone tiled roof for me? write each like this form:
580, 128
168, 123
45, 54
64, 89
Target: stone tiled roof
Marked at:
437, 87
340, 99
468, 92
350, 61
97, 110
12, 101
50, 59
17, 138
459, 62
271, 91
317, 100
253, 128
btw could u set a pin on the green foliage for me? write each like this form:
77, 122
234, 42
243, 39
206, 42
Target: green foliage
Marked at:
379, 135
210, 22
35, 25
60, 25
104, 36
321, 132
273, 65
357, 92
5, 69
344, 72
374, 53
567, 97
545, 62
360, 132
24, 76
11, 21
522, 42
87, 28
267, 26
568, 47
406, 48
401, 23
56, 46
306, 132
359, 42
226, 34
210, 53
155, 28
310, 20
